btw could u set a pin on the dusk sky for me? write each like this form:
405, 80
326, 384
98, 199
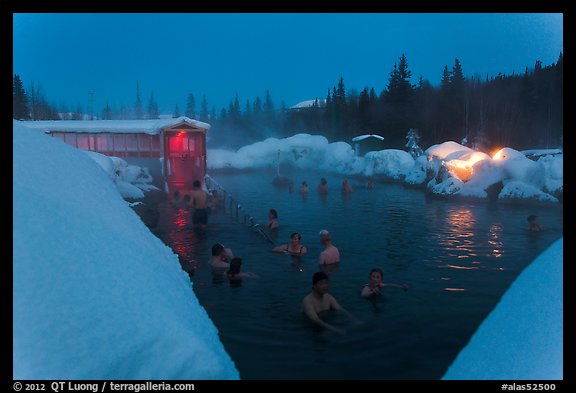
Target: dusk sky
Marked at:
296, 57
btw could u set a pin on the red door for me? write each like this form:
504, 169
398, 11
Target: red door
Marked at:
184, 159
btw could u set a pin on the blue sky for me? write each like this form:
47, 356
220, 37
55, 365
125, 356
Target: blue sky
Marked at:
294, 56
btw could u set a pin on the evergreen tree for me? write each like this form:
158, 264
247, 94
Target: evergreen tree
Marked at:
176, 111
269, 115
33, 111
20, 108
399, 87
190, 107
153, 111
138, 113
412, 144
107, 112
204, 116
446, 78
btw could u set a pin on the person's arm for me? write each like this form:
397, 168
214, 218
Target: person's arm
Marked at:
281, 248
228, 253
311, 313
368, 292
244, 275
336, 306
322, 258
303, 250
403, 286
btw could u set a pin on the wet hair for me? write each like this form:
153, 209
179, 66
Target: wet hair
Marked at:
531, 218
235, 265
274, 213
296, 234
376, 270
324, 234
196, 184
319, 276
217, 249
323, 181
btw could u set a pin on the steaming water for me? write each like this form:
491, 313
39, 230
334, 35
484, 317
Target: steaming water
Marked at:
458, 258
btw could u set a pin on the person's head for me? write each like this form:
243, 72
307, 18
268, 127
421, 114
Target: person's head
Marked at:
217, 249
235, 265
325, 236
531, 218
295, 237
272, 213
320, 282
323, 181
196, 184
376, 276
304, 184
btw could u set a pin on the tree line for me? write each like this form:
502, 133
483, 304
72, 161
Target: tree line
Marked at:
520, 110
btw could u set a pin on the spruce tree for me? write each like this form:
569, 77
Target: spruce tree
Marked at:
153, 111
190, 107
204, 116
138, 113
20, 110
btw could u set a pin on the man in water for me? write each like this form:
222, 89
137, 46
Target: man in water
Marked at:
221, 256
320, 300
331, 254
200, 204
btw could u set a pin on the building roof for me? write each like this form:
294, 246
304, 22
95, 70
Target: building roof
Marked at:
362, 137
153, 126
309, 103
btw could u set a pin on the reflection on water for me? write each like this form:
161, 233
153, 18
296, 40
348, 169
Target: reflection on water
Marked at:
494, 240
457, 259
459, 235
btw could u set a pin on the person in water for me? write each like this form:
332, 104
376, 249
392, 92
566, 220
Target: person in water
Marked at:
320, 300
304, 187
323, 186
221, 256
331, 254
294, 248
533, 224
273, 221
376, 284
234, 271
346, 187
199, 202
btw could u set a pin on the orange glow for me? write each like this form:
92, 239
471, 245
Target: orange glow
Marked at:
463, 267
181, 134
461, 169
499, 155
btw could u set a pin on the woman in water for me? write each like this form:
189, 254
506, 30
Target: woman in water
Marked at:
376, 283
273, 222
234, 272
294, 248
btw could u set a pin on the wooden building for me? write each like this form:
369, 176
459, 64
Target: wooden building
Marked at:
173, 150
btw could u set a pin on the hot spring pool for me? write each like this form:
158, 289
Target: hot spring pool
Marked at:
458, 259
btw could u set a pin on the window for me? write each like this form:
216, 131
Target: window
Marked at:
82, 141
119, 143
70, 139
132, 142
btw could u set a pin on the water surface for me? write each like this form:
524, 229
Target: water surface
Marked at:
457, 258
